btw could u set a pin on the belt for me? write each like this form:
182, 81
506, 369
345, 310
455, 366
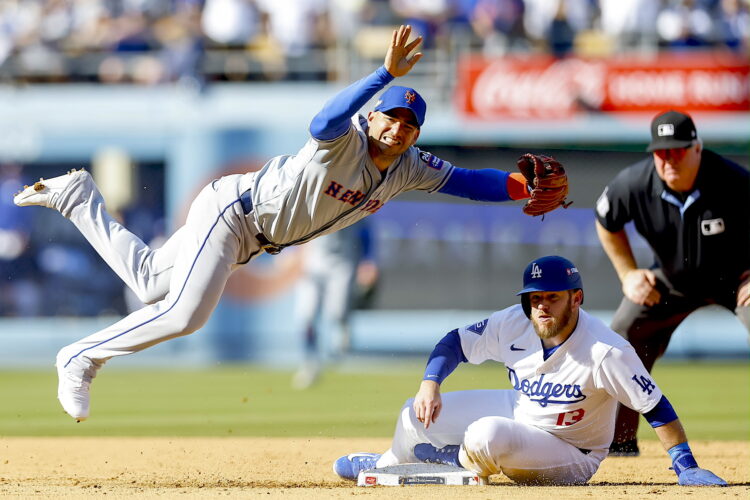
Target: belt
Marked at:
584, 451
246, 200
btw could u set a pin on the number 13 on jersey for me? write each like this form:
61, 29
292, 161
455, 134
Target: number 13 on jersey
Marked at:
570, 417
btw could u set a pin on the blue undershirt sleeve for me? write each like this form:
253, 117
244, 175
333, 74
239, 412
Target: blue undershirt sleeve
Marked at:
444, 358
662, 414
333, 120
480, 185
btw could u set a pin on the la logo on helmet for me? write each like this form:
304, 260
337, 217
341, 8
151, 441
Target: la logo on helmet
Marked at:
536, 271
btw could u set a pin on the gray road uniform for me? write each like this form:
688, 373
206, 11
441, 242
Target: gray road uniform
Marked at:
333, 184
292, 199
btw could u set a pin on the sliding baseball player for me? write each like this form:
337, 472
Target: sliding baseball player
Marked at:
568, 371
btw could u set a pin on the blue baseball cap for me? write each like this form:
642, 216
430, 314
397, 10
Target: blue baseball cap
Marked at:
551, 274
403, 97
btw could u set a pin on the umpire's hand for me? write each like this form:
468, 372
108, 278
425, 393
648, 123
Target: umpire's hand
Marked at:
427, 402
743, 292
639, 285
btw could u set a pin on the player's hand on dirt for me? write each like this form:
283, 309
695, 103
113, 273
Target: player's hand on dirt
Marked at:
743, 292
639, 286
428, 403
397, 60
699, 477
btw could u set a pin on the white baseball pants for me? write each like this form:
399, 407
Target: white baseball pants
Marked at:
182, 281
483, 421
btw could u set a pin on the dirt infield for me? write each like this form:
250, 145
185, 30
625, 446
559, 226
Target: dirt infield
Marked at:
301, 468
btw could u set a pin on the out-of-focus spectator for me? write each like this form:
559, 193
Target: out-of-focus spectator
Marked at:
560, 33
346, 19
426, 17
230, 23
554, 23
297, 27
181, 38
684, 24
631, 23
732, 26
497, 25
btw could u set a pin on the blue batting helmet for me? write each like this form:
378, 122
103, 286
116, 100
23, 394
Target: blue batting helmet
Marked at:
549, 274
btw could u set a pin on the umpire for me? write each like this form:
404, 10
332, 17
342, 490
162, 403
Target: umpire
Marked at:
693, 208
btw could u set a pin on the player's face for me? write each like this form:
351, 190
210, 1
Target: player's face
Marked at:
393, 132
552, 313
678, 167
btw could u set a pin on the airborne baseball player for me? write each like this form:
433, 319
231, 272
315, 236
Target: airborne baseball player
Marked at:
347, 170
568, 372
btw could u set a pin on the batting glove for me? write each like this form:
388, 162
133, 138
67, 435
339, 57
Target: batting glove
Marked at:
687, 470
699, 477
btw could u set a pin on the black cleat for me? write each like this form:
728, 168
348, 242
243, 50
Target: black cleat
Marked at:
625, 449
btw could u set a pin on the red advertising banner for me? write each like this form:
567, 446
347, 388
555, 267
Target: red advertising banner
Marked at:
541, 86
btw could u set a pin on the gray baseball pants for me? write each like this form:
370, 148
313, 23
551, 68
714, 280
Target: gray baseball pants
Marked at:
182, 281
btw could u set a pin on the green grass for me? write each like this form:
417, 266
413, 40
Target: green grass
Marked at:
713, 401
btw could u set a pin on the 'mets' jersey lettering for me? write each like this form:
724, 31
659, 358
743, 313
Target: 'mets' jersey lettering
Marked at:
352, 197
335, 183
574, 393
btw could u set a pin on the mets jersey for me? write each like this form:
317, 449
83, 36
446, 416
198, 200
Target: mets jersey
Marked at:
332, 184
574, 393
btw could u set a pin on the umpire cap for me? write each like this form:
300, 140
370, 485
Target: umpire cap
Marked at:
549, 274
403, 97
672, 130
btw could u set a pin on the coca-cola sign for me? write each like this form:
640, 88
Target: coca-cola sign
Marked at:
541, 86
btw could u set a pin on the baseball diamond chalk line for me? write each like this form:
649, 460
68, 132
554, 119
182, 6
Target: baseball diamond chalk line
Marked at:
87, 467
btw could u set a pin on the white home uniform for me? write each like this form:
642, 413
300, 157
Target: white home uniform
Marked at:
557, 422
328, 185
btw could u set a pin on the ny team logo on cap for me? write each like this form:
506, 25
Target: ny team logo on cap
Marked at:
403, 97
536, 271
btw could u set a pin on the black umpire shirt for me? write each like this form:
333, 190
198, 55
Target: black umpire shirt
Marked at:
700, 240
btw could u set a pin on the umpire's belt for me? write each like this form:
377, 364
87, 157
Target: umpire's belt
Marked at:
246, 200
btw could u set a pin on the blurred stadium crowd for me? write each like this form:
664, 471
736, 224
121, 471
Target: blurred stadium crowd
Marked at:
196, 41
